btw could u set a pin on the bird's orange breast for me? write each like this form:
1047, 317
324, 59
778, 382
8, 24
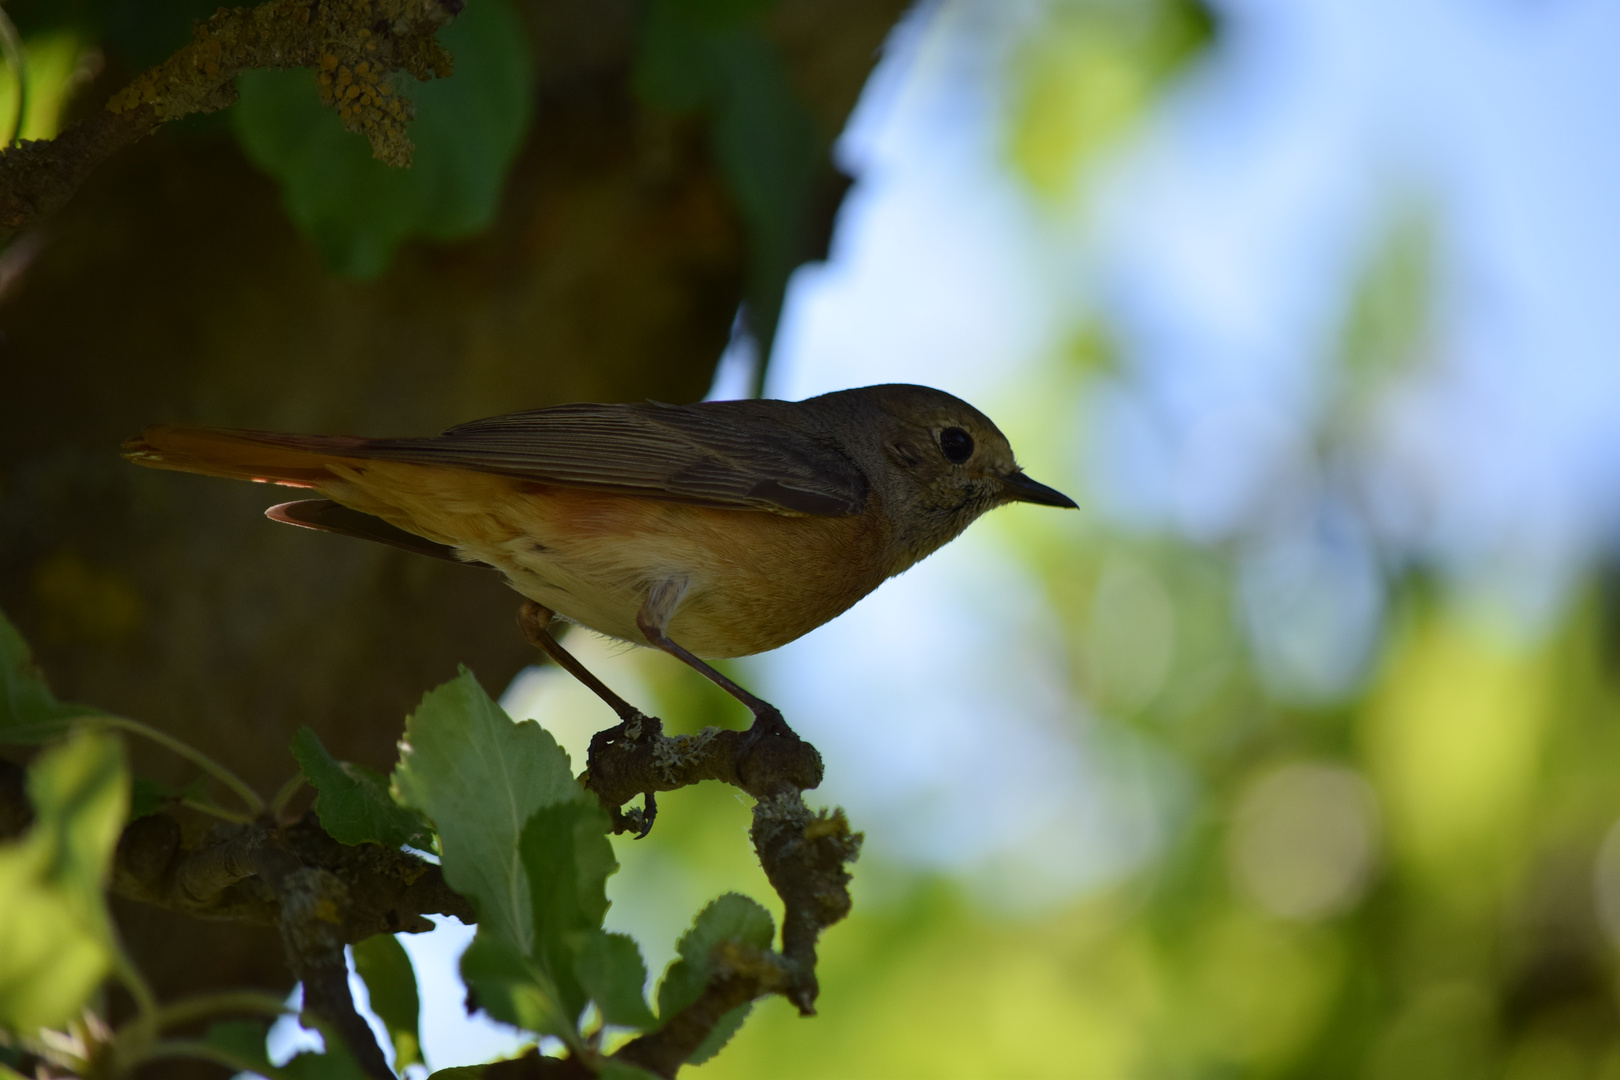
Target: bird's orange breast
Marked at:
754, 580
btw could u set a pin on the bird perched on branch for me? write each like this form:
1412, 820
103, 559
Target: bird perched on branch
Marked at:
711, 530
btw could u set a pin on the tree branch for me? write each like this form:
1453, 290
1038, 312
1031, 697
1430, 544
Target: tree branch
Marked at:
354, 45
804, 853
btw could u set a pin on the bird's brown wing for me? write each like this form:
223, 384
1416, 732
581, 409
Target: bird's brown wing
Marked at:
763, 455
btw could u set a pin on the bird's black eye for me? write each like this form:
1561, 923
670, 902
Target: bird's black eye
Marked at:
956, 444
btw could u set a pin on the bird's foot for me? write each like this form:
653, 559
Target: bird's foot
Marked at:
640, 821
767, 722
634, 729
773, 756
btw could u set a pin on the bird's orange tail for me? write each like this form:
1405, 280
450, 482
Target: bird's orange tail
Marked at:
263, 456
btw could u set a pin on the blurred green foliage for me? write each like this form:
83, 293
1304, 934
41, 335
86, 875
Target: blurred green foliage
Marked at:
1085, 76
55, 933
51, 59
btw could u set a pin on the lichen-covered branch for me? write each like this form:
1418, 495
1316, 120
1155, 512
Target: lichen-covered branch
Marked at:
354, 46
804, 853
223, 876
636, 757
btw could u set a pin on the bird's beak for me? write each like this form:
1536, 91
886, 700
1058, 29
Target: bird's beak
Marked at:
1020, 488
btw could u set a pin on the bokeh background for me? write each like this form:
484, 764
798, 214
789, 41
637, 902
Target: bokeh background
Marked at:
1296, 751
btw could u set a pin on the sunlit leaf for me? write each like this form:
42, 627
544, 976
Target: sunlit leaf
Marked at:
391, 984
467, 131
56, 940
480, 778
51, 59
352, 801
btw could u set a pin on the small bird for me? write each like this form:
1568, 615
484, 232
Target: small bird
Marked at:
718, 529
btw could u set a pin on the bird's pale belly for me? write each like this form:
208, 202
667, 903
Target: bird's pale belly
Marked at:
752, 580
755, 580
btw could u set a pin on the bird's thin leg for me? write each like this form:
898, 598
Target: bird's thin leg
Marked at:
534, 621
633, 725
653, 619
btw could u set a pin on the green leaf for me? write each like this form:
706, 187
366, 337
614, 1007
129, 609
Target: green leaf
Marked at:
353, 802
243, 1040
467, 131
148, 796
514, 990
610, 968
56, 940
772, 157
391, 983
724, 1028
335, 1064
29, 712
480, 778
714, 57
623, 1070
568, 858
732, 917
459, 1072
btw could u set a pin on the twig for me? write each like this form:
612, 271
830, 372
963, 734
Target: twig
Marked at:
241, 1001
804, 854
207, 764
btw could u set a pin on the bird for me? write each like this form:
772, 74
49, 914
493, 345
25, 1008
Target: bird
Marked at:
711, 530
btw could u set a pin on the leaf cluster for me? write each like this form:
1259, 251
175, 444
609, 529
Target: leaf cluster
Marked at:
495, 801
